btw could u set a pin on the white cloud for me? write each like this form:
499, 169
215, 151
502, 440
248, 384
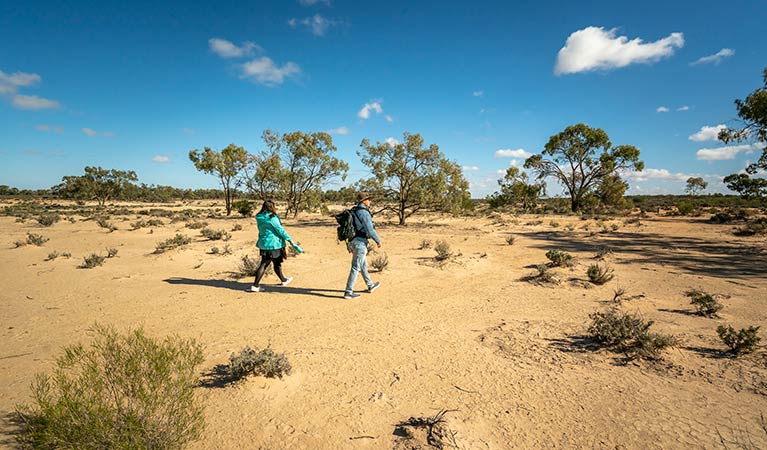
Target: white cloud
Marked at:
160, 159
478, 93
594, 48
318, 24
50, 128
189, 131
226, 49
364, 113
514, 162
313, 2
391, 141
470, 168
683, 108
715, 59
33, 102
90, 132
509, 153
661, 109
339, 130
10, 83
725, 153
264, 71
655, 174
389, 118
707, 133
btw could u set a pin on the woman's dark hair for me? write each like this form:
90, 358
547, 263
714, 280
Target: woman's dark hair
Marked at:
269, 207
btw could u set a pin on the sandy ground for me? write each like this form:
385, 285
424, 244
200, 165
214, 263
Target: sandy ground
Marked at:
506, 357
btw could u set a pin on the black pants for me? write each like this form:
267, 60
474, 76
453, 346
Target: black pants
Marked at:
267, 257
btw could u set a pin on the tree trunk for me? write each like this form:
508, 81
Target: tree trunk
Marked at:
575, 204
228, 200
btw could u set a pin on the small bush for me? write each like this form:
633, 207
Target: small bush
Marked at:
559, 258
542, 275
138, 225
758, 227
615, 227
618, 295
569, 227
244, 207
380, 262
215, 235
264, 362
92, 261
123, 392
227, 250
196, 225
103, 222
66, 255
741, 341
443, 251
510, 239
425, 243
171, 243
247, 267
534, 222
155, 223
705, 303
685, 208
554, 224
602, 252
19, 243
111, 252
36, 239
599, 274
52, 255
237, 227
48, 219
629, 333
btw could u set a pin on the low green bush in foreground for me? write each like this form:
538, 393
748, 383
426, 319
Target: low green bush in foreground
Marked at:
126, 391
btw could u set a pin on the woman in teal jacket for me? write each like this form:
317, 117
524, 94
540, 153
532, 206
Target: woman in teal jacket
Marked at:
272, 239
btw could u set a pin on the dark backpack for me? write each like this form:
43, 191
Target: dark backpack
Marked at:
346, 230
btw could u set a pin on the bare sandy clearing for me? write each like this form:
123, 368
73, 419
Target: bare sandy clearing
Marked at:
509, 357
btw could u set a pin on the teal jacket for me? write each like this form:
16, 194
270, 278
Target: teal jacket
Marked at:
271, 235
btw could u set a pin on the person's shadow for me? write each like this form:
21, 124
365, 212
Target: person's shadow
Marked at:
238, 286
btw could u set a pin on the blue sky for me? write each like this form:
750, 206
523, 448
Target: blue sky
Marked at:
136, 85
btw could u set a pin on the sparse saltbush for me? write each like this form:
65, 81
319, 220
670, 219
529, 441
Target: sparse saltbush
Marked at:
603, 252
48, 219
52, 255
111, 252
247, 267
104, 222
741, 341
705, 303
36, 239
510, 239
92, 261
632, 221
729, 215
559, 258
380, 262
619, 294
237, 227
227, 250
244, 207
66, 255
554, 224
629, 333
542, 276
533, 222
71, 219
425, 243
155, 223
215, 235
19, 243
169, 244
263, 362
599, 274
196, 225
146, 223
443, 250
122, 392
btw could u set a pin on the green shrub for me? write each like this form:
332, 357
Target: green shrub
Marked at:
542, 276
247, 267
237, 227
380, 262
757, 227
92, 261
36, 239
48, 219
52, 255
741, 341
244, 207
705, 303
215, 235
443, 251
559, 258
425, 243
169, 244
103, 222
599, 274
554, 224
629, 333
685, 208
196, 225
264, 362
227, 250
123, 392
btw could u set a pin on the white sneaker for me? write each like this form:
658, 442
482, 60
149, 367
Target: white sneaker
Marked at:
255, 289
287, 281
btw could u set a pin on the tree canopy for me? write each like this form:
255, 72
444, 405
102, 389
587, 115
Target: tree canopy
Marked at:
575, 163
96, 184
517, 190
225, 165
408, 177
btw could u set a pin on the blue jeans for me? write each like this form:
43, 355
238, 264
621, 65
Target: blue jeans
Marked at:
359, 248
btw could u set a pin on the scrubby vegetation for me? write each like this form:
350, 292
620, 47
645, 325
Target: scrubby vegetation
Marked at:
196, 225
443, 251
215, 235
629, 333
35, 239
510, 239
263, 362
227, 250
559, 258
380, 262
740, 341
92, 260
122, 392
425, 244
599, 274
48, 219
247, 267
169, 244
704, 303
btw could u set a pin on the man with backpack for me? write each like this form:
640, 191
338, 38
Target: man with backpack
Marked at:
361, 220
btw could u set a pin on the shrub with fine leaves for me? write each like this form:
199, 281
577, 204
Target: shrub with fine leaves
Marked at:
629, 333
705, 303
741, 341
264, 362
559, 258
